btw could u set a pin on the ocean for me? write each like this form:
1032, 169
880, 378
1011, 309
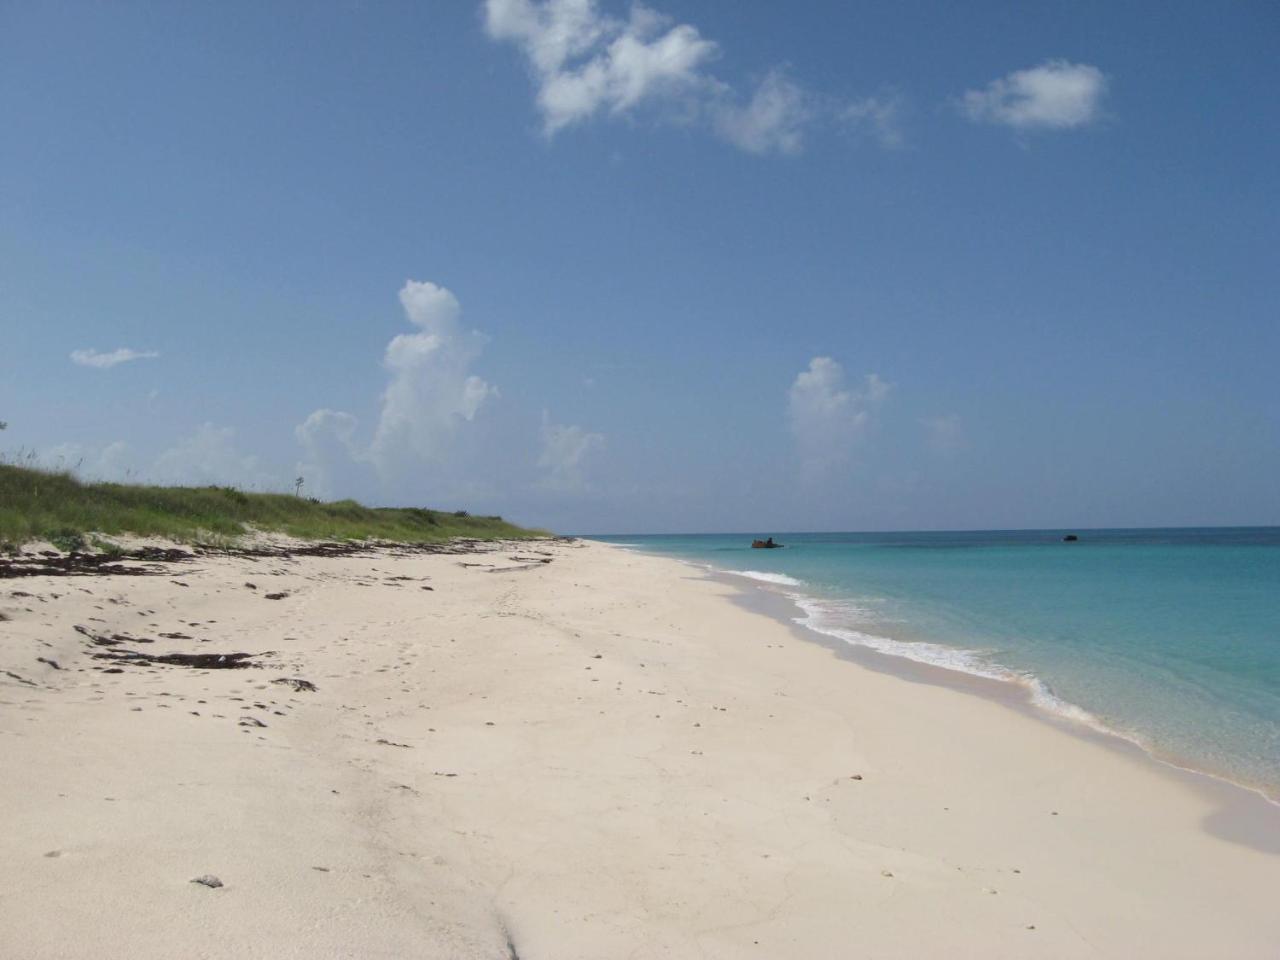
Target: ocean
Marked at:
1168, 638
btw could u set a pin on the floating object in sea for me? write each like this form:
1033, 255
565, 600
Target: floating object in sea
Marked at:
1070, 538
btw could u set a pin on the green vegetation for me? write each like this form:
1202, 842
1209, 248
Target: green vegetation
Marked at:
44, 505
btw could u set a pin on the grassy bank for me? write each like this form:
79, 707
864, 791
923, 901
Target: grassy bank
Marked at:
41, 505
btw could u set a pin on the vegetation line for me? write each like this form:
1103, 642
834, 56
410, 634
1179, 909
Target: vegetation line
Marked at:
45, 505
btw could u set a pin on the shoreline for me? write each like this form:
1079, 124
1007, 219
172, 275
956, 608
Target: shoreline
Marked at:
566, 750
1014, 690
1246, 814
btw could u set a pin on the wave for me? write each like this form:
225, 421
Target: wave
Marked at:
826, 617
778, 579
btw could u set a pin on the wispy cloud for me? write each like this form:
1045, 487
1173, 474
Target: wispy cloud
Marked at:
103, 361
945, 434
586, 63
564, 451
828, 417
1056, 95
880, 116
774, 119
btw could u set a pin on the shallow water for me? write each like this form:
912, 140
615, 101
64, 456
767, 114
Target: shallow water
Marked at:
1170, 638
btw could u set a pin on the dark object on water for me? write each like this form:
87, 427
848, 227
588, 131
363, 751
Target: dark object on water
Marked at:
765, 544
1070, 538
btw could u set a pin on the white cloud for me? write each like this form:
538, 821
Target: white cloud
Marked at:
945, 434
104, 361
585, 62
328, 439
209, 456
564, 450
431, 394
1055, 95
880, 116
110, 463
432, 390
774, 119
828, 418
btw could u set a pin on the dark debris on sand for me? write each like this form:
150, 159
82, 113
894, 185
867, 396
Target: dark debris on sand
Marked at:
153, 561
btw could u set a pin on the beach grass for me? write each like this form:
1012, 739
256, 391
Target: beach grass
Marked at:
48, 505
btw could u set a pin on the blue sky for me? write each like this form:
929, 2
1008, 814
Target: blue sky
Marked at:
693, 266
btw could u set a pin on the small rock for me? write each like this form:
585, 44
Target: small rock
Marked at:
208, 880
251, 586
856, 776
886, 873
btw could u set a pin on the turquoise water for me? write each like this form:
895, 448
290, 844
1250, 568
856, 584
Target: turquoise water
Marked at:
1170, 638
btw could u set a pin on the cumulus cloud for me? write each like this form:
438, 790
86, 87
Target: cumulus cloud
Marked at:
328, 440
110, 463
828, 417
106, 360
431, 394
586, 63
945, 434
564, 451
210, 456
432, 390
1056, 95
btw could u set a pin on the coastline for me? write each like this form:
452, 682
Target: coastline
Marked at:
956, 669
561, 750
1245, 814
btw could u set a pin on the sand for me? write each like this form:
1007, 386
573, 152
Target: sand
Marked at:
599, 756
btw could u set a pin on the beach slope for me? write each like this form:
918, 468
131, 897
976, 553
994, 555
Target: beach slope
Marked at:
559, 750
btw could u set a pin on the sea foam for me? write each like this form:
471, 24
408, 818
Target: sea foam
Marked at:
778, 579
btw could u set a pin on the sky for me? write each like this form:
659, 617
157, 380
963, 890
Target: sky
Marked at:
693, 266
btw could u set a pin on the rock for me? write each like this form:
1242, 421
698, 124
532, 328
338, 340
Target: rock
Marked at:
208, 880
856, 776
251, 722
886, 873
276, 596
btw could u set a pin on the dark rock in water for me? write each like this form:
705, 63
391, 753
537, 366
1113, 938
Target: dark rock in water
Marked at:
1070, 538
208, 880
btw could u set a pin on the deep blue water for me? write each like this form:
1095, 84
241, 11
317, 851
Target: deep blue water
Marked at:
1168, 637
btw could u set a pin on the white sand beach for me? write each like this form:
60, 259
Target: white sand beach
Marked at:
597, 756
